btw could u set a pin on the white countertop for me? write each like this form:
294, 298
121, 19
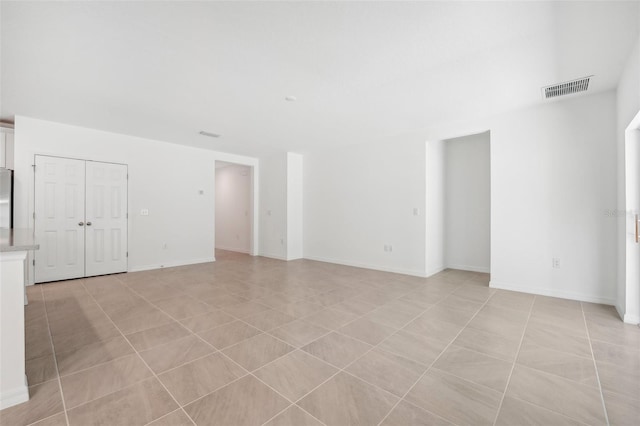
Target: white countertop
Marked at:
17, 239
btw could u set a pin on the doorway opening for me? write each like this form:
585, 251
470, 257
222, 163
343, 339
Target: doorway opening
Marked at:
459, 204
233, 208
629, 296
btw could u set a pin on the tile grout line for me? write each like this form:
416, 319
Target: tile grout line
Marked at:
515, 360
433, 363
550, 410
55, 358
595, 365
343, 369
427, 367
128, 287
295, 349
219, 351
137, 354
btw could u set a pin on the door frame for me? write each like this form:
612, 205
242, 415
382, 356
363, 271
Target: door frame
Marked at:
254, 166
629, 306
434, 199
32, 203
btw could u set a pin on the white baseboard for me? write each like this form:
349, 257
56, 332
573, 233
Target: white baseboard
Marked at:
273, 256
483, 269
367, 266
631, 319
171, 264
234, 249
620, 311
9, 398
436, 270
552, 293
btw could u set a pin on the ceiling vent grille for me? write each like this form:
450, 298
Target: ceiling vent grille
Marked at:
566, 88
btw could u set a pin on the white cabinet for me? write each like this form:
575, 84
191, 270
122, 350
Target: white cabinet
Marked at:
6, 148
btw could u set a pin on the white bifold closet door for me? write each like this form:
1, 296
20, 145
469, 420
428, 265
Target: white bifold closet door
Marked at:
80, 218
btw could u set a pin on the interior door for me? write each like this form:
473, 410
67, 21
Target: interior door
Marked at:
59, 218
106, 214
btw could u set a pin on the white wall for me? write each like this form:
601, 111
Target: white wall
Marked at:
294, 206
273, 206
434, 209
359, 199
164, 178
233, 208
628, 105
467, 212
553, 178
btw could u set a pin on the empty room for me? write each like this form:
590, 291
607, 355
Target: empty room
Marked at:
307, 213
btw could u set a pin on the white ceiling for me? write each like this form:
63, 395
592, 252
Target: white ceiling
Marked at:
361, 71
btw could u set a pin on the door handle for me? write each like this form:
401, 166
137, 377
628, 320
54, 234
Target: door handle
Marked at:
88, 223
80, 223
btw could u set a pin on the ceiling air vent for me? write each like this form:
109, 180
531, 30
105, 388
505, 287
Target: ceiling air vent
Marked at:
566, 88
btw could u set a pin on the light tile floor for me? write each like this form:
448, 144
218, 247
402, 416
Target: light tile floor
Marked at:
251, 341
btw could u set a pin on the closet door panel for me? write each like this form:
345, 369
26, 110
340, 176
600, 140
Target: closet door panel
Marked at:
106, 214
59, 218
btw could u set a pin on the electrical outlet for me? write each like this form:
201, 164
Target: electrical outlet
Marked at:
555, 262
416, 211
164, 246
144, 212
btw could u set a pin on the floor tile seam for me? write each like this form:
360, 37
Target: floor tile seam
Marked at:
625, 396
515, 360
174, 296
464, 379
505, 336
181, 325
493, 316
45, 418
220, 351
537, 320
251, 373
163, 416
434, 361
341, 370
187, 362
626, 347
595, 365
423, 409
55, 361
457, 345
507, 307
558, 350
296, 406
518, 364
137, 382
97, 365
549, 410
573, 335
396, 330
147, 366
